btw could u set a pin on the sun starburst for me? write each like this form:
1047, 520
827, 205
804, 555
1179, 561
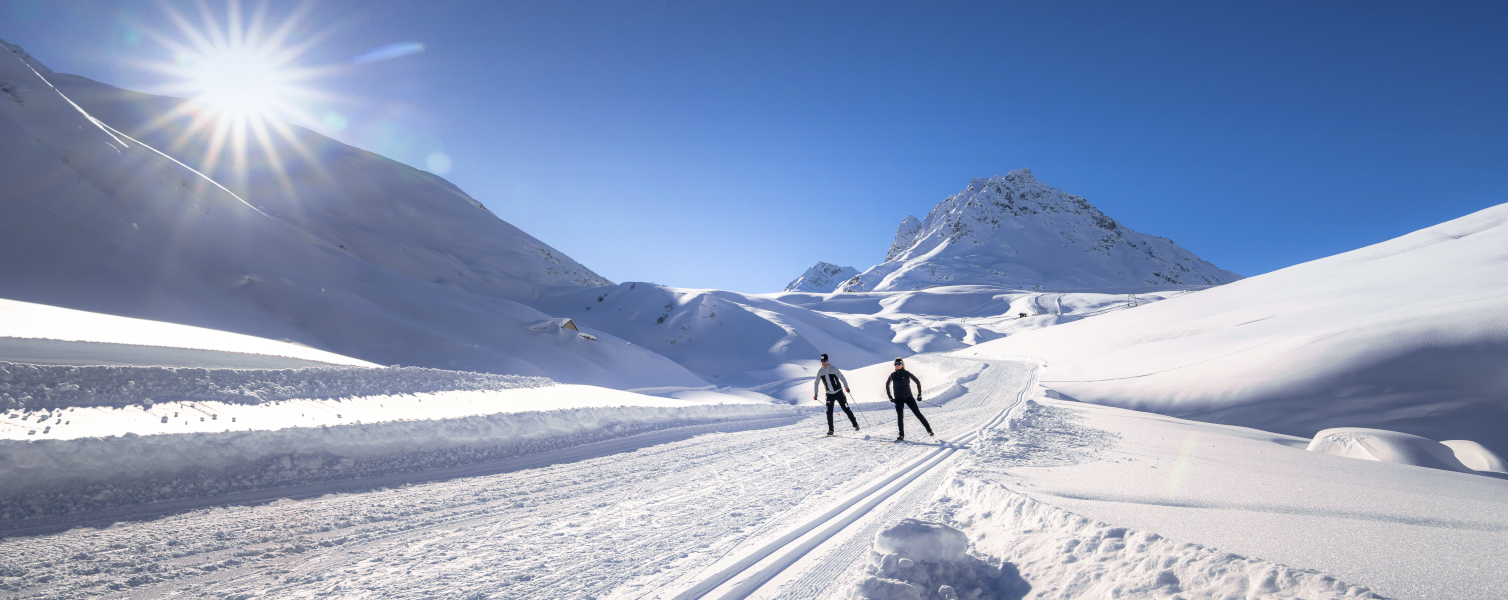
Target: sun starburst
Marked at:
244, 82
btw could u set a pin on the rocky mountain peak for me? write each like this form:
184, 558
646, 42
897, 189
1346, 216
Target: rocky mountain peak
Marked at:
1016, 231
823, 277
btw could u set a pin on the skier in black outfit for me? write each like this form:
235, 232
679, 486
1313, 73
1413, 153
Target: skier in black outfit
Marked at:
836, 384
898, 389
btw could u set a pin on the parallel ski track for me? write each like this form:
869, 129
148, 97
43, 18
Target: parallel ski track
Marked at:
759, 566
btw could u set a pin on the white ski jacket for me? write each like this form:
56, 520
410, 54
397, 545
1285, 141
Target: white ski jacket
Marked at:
831, 377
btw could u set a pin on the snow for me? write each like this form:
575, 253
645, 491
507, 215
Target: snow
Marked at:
1408, 335
1055, 499
769, 343
1401, 531
1477, 457
919, 540
1273, 437
822, 278
184, 449
1017, 232
1403, 449
39, 334
337, 249
46, 387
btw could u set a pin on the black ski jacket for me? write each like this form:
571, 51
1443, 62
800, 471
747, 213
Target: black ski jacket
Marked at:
900, 382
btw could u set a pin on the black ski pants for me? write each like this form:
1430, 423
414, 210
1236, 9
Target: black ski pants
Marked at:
900, 414
843, 402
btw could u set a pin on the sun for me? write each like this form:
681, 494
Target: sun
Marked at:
245, 82
238, 83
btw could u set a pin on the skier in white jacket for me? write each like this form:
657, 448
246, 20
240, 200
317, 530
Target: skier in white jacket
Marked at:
833, 379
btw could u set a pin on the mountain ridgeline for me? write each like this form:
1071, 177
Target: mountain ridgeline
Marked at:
1017, 232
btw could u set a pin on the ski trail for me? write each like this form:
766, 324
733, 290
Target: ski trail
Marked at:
747, 575
644, 519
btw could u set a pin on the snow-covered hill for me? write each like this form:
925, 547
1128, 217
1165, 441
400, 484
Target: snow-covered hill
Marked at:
822, 277
1017, 232
341, 250
770, 342
1409, 335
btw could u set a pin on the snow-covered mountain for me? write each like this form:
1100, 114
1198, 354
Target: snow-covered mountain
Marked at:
1017, 232
1409, 335
330, 247
822, 277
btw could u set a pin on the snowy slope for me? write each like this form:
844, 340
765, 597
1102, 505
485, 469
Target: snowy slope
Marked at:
39, 334
822, 277
1409, 335
96, 220
1015, 231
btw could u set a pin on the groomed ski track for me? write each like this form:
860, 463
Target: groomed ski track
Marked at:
738, 511
771, 570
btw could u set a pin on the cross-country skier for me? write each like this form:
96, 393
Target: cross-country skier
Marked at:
836, 384
898, 389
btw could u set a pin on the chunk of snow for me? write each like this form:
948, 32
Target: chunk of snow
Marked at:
1477, 457
921, 540
1386, 446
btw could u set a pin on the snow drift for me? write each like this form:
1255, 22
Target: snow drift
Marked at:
101, 457
1017, 232
333, 248
40, 334
1409, 335
1404, 449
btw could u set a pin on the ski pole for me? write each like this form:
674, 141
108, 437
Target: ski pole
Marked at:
937, 405
861, 414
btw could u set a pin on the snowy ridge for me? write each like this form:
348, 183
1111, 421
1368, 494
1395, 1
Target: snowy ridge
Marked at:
202, 448
822, 277
51, 387
1017, 232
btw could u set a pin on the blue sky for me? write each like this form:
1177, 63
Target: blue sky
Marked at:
733, 144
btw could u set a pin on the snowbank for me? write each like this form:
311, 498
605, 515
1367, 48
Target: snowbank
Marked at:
35, 387
1018, 545
100, 457
918, 560
1405, 449
1403, 531
41, 334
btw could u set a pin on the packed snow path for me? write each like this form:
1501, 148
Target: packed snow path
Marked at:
653, 522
